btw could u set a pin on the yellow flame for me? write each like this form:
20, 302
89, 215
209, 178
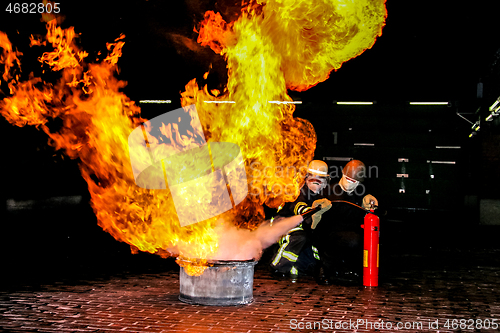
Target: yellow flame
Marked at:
315, 37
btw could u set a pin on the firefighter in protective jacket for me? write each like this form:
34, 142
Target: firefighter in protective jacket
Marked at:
295, 254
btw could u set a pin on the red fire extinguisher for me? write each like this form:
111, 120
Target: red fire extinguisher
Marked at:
371, 228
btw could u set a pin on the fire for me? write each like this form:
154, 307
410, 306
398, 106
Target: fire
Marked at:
97, 120
310, 37
9, 57
271, 47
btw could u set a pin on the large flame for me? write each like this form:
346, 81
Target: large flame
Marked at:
310, 38
97, 120
273, 46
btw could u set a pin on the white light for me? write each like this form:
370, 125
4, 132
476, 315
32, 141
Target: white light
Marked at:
442, 162
364, 144
448, 147
403, 160
279, 102
343, 159
227, 102
354, 103
155, 101
429, 103
401, 190
489, 118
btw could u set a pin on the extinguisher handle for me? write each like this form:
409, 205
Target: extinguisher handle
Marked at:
374, 211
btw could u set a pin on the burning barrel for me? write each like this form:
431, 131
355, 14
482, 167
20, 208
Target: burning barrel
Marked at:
223, 283
230, 282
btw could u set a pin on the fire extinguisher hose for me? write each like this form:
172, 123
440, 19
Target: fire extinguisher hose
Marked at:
351, 204
314, 210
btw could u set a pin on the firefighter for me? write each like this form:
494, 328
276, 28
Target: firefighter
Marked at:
295, 254
339, 238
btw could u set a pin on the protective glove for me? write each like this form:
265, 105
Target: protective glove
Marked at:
325, 205
369, 202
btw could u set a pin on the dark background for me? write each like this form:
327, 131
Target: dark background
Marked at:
434, 52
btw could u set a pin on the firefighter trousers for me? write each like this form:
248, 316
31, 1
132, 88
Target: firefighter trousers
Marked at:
295, 254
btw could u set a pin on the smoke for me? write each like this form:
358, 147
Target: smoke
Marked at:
244, 244
241, 244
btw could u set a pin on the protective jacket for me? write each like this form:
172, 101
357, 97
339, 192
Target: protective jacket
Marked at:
295, 254
338, 237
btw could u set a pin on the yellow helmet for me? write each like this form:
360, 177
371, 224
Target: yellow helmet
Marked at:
318, 168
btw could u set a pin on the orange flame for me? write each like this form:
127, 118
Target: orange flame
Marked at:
97, 119
9, 57
271, 47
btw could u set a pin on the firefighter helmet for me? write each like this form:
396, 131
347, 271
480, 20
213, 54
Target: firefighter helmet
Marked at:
355, 169
318, 168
